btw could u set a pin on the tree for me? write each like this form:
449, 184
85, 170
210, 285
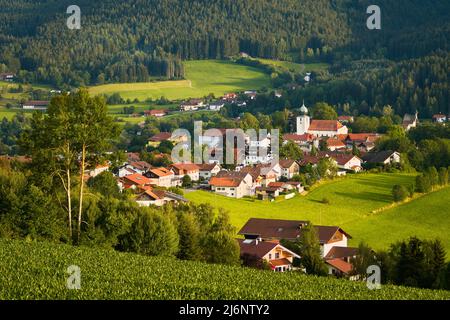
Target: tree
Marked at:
433, 176
399, 193
423, 184
435, 264
363, 260
310, 253
291, 150
189, 234
152, 233
323, 111
105, 184
443, 176
249, 121
93, 130
410, 268
186, 181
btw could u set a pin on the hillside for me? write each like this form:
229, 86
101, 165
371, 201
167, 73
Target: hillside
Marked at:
38, 271
131, 41
200, 81
351, 202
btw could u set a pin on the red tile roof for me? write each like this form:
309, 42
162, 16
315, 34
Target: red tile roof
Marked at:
137, 179
161, 172
335, 143
325, 125
307, 137
185, 166
286, 163
280, 262
162, 136
340, 264
229, 182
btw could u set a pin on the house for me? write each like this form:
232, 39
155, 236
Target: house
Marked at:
140, 167
192, 105
267, 192
155, 113
232, 184
383, 157
35, 105
347, 162
8, 76
345, 119
156, 140
134, 181
208, 170
158, 198
275, 230
251, 94
338, 261
161, 177
318, 128
334, 144
279, 258
289, 168
230, 97
186, 169
360, 139
98, 169
283, 186
439, 118
217, 105
410, 121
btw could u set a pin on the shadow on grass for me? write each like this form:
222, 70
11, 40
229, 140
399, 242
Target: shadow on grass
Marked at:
367, 195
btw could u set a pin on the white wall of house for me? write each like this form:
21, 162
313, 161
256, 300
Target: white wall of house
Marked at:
327, 246
352, 163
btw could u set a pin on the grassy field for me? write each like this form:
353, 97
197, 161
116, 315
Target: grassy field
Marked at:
352, 201
296, 67
39, 271
202, 78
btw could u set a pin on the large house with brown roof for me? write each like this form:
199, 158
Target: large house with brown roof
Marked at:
333, 240
279, 258
318, 128
208, 170
289, 168
157, 197
161, 177
232, 184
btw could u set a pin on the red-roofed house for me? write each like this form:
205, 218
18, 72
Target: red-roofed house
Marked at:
135, 180
161, 177
278, 257
232, 184
157, 198
183, 169
155, 113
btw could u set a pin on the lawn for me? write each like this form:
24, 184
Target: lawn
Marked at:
352, 200
296, 67
202, 78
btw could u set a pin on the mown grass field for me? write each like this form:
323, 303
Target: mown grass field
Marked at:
39, 271
202, 78
296, 67
352, 201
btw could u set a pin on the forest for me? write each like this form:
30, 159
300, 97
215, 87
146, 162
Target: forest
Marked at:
141, 40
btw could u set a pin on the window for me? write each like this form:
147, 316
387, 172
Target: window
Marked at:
277, 255
270, 256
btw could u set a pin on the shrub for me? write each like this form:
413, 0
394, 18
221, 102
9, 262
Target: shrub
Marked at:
326, 201
399, 193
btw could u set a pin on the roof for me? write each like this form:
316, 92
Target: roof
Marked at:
37, 103
140, 165
185, 166
229, 182
362, 137
378, 157
341, 252
286, 163
154, 112
162, 136
298, 137
161, 172
207, 166
439, 116
325, 125
137, 179
286, 229
340, 265
133, 156
335, 143
280, 262
259, 250
345, 118
342, 158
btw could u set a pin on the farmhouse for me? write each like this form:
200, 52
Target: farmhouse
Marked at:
270, 230
161, 177
279, 258
289, 168
35, 105
439, 118
8, 76
157, 198
186, 169
410, 121
155, 113
208, 170
318, 128
383, 157
232, 184
192, 105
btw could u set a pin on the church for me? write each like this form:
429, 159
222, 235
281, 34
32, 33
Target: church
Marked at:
318, 128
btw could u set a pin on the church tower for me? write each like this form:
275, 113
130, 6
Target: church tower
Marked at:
303, 121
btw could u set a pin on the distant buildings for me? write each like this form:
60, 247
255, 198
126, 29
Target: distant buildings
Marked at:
439, 118
410, 121
8, 76
318, 128
35, 105
155, 113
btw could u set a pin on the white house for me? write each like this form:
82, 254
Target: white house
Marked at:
161, 177
233, 185
208, 170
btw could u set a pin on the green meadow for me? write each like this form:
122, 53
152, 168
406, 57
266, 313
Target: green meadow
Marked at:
202, 78
352, 202
295, 67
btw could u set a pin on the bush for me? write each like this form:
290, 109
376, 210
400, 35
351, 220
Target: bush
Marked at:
423, 184
399, 193
326, 201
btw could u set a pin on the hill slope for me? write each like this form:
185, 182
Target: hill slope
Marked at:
38, 271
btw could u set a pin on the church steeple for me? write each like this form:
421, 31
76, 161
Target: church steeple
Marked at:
304, 109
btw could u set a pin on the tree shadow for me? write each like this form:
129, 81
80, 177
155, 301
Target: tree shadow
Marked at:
367, 195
